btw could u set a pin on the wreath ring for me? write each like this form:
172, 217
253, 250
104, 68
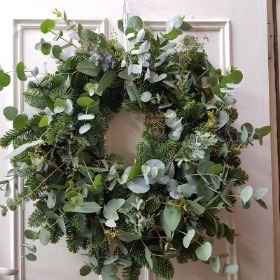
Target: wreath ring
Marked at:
167, 205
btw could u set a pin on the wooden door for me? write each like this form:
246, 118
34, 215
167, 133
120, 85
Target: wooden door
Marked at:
238, 35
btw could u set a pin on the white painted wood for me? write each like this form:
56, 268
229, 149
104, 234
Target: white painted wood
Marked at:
238, 34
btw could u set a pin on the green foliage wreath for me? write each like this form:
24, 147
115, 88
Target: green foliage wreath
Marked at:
167, 205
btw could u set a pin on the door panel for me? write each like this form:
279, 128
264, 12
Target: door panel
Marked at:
235, 38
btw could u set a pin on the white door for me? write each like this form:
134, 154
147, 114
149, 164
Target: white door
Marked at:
237, 32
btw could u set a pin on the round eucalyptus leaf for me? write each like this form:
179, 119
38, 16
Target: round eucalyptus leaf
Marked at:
135, 22
246, 193
47, 25
231, 268
44, 121
85, 270
20, 121
46, 48
57, 51
20, 71
146, 96
84, 101
10, 113
5, 78
260, 193
45, 236
31, 257
204, 251
215, 264
188, 238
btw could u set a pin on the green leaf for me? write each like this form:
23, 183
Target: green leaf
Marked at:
188, 238
222, 119
59, 105
265, 130
120, 25
115, 204
127, 236
31, 257
135, 170
20, 121
49, 102
196, 207
204, 166
84, 101
146, 96
88, 67
125, 262
44, 121
215, 169
30, 234
172, 216
138, 185
260, 193
20, 71
83, 129
148, 257
165, 225
185, 26
45, 236
5, 78
215, 264
10, 113
61, 224
97, 180
56, 51
110, 260
204, 251
30, 247
46, 48
22, 148
231, 268
173, 34
110, 223
85, 270
88, 207
106, 80
47, 25
246, 193
223, 255
108, 272
135, 22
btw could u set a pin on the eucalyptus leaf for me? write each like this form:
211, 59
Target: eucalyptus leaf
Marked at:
84, 128
127, 236
88, 207
172, 216
44, 236
148, 257
260, 193
31, 257
20, 121
10, 113
188, 238
231, 268
88, 67
204, 251
138, 185
22, 148
215, 264
246, 193
85, 270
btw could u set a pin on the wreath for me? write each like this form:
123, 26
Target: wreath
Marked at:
168, 204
